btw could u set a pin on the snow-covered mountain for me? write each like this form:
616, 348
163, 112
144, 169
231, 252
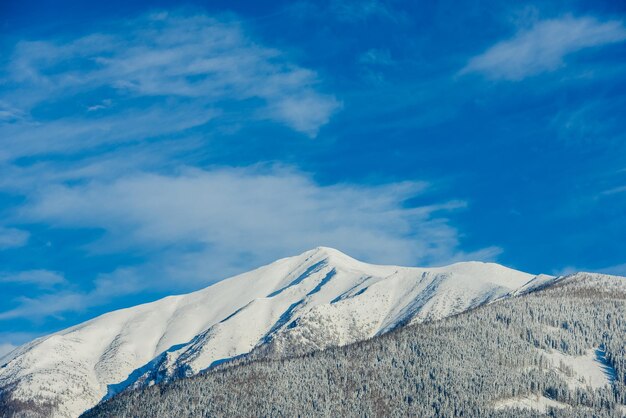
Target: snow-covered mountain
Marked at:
318, 299
558, 352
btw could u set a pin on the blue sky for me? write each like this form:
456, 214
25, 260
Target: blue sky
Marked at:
151, 149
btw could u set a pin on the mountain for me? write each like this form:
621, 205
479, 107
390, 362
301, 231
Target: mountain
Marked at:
558, 351
319, 299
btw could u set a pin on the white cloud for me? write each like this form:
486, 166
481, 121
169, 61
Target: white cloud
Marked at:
373, 62
261, 213
190, 227
616, 270
543, 47
12, 238
55, 304
72, 135
198, 226
6, 348
613, 191
104, 104
47, 305
12, 340
41, 278
9, 114
184, 68
596, 120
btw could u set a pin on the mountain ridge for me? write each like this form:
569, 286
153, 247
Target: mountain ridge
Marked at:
318, 299
557, 351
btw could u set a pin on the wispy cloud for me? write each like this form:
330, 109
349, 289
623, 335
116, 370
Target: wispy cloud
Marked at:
67, 298
616, 270
40, 278
544, 46
596, 120
47, 305
199, 63
152, 276
11, 340
199, 226
96, 144
614, 190
6, 348
9, 114
73, 135
12, 238
373, 62
100, 112
375, 56
234, 210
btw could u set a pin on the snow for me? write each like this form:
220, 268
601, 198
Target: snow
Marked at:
535, 402
318, 299
605, 283
591, 369
536, 283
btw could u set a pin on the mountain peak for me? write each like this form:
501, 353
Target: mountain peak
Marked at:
314, 300
327, 252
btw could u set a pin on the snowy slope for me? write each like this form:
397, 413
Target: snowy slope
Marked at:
318, 299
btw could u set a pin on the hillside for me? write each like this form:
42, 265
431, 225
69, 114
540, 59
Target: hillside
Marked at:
321, 298
559, 351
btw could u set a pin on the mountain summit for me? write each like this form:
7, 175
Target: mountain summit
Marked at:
318, 299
